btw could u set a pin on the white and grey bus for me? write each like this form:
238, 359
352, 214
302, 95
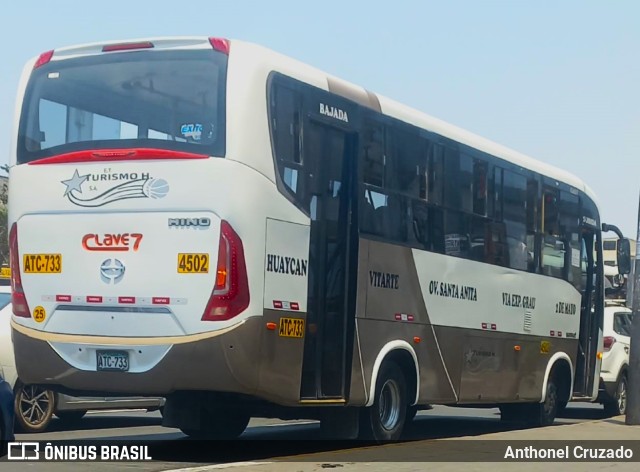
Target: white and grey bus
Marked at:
246, 235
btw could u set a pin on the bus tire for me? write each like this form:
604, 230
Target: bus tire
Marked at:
221, 426
544, 414
385, 420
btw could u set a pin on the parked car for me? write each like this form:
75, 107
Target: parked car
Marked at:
615, 358
6, 411
35, 406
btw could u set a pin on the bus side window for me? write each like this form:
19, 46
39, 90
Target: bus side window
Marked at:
286, 134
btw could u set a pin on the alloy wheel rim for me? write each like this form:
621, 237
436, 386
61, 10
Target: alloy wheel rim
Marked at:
622, 397
34, 405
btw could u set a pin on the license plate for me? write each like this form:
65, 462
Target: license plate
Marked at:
193, 263
42, 263
291, 327
5, 272
113, 360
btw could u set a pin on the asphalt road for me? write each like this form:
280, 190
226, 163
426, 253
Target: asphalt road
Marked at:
263, 440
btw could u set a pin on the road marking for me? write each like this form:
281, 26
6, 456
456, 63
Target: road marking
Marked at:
219, 466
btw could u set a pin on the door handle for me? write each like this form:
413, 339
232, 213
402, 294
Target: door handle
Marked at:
626, 349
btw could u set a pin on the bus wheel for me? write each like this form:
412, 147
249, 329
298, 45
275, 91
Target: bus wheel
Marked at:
386, 418
545, 412
221, 426
412, 411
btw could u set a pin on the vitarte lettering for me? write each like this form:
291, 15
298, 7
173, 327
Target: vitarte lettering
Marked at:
286, 265
384, 280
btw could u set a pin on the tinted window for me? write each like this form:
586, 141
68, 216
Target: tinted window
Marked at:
169, 99
285, 130
622, 323
609, 245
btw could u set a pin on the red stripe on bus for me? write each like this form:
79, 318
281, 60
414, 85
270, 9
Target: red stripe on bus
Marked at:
94, 299
126, 299
63, 298
160, 300
98, 155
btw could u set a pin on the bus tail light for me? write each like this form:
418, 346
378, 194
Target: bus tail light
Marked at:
230, 295
43, 59
18, 299
127, 46
609, 341
220, 45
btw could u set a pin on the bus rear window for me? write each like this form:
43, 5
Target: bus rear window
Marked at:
155, 99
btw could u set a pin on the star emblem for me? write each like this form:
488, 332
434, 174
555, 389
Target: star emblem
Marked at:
74, 183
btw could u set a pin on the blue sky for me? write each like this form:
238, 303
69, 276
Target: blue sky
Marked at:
557, 80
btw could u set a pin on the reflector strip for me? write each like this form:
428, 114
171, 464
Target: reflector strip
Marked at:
493, 326
125, 300
403, 317
484, 325
285, 305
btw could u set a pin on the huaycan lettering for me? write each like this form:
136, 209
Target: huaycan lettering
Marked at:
111, 242
286, 265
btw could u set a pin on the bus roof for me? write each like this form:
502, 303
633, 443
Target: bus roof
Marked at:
267, 59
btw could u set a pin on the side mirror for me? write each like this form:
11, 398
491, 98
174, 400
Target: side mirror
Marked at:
623, 254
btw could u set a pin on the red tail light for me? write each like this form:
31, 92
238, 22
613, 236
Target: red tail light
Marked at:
137, 154
230, 295
609, 341
127, 46
18, 299
44, 58
220, 44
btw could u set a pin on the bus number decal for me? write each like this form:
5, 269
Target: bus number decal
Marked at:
42, 263
291, 327
193, 263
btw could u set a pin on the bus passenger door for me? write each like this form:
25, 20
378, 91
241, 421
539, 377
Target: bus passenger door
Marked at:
590, 313
330, 312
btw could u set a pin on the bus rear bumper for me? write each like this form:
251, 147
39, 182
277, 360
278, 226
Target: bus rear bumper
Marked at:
218, 362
